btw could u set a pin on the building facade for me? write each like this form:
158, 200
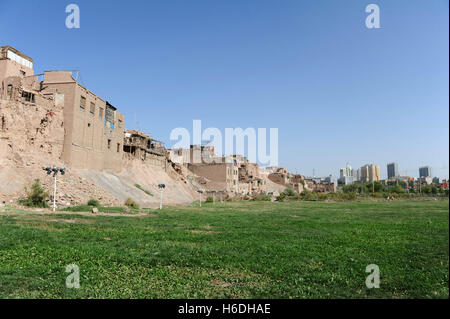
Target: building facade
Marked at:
392, 170
225, 175
370, 173
94, 129
425, 171
14, 63
347, 175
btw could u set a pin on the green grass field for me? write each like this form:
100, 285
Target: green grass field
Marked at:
231, 250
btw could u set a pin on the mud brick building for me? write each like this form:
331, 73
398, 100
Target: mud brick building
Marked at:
93, 128
140, 145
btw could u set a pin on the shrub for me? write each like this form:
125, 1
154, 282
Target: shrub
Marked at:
93, 202
131, 203
281, 197
350, 196
37, 197
209, 199
262, 197
308, 196
289, 191
378, 195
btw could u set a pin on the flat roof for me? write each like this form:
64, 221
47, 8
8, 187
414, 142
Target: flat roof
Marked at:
6, 48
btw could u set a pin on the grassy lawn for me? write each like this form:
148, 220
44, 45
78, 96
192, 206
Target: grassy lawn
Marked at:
231, 250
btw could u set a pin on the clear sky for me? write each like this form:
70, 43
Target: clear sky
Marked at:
337, 91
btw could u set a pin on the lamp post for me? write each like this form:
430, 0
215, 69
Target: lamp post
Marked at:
54, 170
214, 197
200, 192
161, 187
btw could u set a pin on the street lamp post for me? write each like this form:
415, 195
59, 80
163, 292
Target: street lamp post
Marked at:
200, 192
161, 187
214, 197
54, 170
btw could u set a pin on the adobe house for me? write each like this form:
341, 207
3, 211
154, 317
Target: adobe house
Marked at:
250, 181
17, 79
226, 175
94, 129
140, 145
14, 63
281, 177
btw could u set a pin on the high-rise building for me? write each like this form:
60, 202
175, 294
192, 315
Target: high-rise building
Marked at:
425, 171
345, 172
356, 174
346, 175
392, 170
370, 173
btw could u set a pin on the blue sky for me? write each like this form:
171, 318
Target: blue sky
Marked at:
337, 91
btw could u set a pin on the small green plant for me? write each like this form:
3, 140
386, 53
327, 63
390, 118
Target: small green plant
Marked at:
37, 197
262, 197
131, 203
280, 197
143, 189
209, 199
93, 202
289, 191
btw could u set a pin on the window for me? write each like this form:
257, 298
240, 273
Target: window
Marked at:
22, 72
109, 144
29, 97
118, 147
119, 124
9, 91
92, 109
82, 103
89, 124
100, 113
